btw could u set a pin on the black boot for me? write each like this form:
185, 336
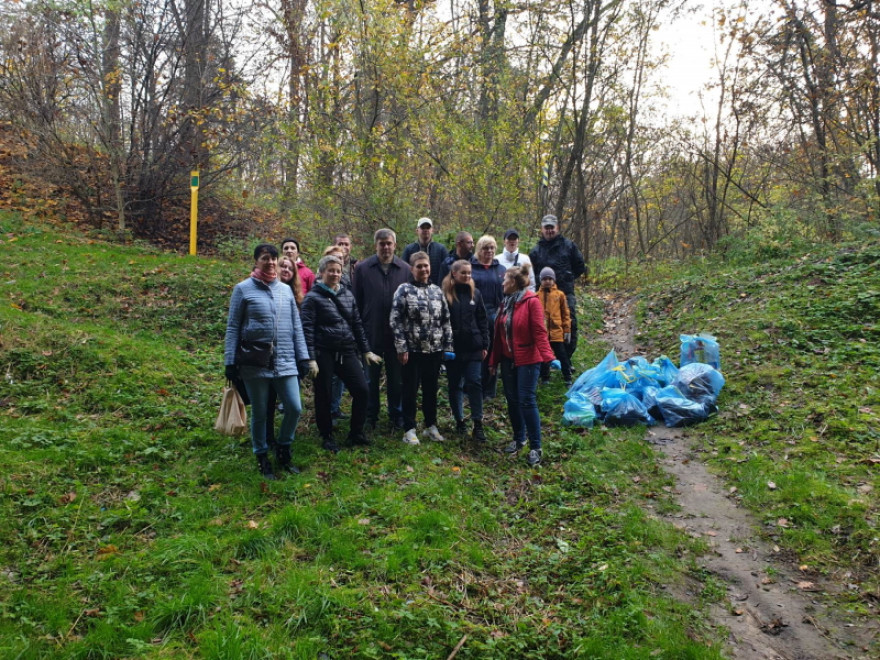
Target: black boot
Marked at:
330, 444
265, 466
358, 439
478, 436
283, 454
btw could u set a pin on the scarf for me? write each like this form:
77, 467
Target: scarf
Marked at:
506, 310
257, 274
327, 288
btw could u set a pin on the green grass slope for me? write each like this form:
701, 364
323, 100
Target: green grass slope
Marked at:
131, 529
798, 434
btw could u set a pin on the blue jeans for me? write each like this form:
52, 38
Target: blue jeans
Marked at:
393, 382
521, 392
468, 372
287, 388
336, 390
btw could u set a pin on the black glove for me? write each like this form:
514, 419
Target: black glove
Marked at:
231, 372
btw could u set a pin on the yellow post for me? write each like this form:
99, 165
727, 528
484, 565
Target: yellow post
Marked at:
193, 210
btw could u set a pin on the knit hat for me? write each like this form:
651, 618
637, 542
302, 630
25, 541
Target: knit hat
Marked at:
546, 271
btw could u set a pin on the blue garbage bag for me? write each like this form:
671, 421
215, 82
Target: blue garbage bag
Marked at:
620, 408
649, 398
700, 348
699, 382
677, 410
579, 411
667, 371
597, 376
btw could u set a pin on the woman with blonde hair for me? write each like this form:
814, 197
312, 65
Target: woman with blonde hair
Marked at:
470, 341
488, 274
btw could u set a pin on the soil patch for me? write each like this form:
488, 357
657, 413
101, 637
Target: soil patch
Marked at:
773, 610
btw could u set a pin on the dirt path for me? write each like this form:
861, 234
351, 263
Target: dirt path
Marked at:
772, 611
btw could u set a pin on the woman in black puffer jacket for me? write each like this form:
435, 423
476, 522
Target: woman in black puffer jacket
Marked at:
336, 340
470, 339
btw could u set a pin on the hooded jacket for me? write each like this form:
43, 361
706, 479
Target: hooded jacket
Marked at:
556, 312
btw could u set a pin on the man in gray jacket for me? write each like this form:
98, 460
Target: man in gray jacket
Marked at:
375, 281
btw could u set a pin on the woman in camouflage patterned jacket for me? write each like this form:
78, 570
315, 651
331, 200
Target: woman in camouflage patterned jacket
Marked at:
422, 333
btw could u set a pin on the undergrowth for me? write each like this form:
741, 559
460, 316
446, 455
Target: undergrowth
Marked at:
132, 529
798, 433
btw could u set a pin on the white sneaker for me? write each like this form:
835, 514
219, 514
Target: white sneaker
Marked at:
434, 434
410, 437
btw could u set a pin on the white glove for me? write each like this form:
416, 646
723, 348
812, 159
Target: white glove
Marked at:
372, 358
313, 369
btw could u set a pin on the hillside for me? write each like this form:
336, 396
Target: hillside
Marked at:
134, 530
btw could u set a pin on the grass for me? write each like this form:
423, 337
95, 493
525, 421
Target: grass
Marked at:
799, 434
133, 530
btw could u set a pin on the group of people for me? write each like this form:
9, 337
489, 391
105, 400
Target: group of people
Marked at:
475, 312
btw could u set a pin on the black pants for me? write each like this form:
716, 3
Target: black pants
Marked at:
561, 353
348, 368
572, 309
421, 370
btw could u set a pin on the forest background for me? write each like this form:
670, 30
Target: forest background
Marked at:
320, 116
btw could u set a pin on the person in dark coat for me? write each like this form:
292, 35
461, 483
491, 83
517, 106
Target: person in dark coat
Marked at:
470, 341
464, 249
436, 252
336, 340
488, 276
557, 252
375, 281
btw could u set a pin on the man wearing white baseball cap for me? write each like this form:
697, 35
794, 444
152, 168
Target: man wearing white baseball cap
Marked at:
436, 252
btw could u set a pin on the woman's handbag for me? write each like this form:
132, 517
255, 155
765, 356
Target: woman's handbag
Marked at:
232, 419
255, 354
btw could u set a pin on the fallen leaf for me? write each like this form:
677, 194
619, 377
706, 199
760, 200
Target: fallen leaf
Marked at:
805, 585
106, 551
771, 485
253, 524
213, 487
782, 522
67, 498
711, 532
363, 521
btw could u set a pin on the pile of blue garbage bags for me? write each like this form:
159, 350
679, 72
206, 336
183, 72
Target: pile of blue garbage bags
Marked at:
636, 391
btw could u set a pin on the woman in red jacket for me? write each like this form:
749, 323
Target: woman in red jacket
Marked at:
520, 347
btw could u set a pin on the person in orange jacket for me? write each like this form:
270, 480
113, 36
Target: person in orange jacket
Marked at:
558, 321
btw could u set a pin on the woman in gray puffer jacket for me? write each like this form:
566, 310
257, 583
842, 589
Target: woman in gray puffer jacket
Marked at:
263, 310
